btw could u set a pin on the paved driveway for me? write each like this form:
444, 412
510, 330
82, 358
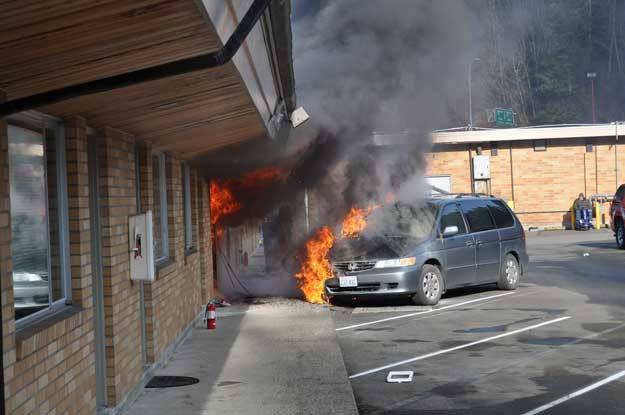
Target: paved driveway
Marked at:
554, 346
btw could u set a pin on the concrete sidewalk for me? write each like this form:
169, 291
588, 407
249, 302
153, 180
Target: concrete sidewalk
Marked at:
280, 357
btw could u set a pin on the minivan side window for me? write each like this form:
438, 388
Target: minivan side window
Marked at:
451, 216
477, 215
501, 214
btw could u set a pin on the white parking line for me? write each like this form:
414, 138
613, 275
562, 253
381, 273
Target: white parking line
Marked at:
588, 388
431, 310
462, 346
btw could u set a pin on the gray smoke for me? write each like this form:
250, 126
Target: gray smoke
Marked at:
365, 69
389, 65
392, 67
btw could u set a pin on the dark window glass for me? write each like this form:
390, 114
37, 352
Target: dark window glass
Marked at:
451, 216
501, 214
477, 215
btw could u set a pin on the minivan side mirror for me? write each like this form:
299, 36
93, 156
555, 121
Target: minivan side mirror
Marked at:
450, 231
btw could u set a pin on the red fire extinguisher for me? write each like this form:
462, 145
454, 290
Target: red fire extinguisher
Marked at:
210, 316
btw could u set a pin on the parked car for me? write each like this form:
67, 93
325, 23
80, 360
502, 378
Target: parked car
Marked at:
617, 216
30, 290
448, 242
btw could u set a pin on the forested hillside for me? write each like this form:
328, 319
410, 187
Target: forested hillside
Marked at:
535, 56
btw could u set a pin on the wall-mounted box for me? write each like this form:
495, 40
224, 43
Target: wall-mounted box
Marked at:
141, 247
481, 167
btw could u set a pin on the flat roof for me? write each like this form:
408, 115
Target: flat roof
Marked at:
550, 132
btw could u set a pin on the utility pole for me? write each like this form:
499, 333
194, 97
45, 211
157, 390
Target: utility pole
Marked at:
592, 76
470, 94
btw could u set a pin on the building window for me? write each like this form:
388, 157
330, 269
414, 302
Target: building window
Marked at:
39, 217
540, 145
188, 190
159, 216
589, 147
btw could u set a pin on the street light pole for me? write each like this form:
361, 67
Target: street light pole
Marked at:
470, 94
592, 76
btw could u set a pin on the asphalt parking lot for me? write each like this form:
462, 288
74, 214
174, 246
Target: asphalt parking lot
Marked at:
554, 346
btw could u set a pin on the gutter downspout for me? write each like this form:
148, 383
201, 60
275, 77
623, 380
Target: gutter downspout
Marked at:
183, 66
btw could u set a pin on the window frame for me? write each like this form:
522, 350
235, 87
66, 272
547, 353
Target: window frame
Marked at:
43, 123
464, 221
162, 184
503, 206
187, 203
466, 215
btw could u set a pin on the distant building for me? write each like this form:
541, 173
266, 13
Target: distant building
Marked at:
539, 170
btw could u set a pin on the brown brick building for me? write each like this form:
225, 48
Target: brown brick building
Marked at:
540, 170
78, 334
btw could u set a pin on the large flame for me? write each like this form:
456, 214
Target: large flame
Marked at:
356, 221
316, 267
223, 199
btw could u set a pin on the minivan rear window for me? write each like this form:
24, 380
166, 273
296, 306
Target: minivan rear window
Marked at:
501, 214
477, 215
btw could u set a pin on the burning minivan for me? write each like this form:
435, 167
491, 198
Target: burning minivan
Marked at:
420, 250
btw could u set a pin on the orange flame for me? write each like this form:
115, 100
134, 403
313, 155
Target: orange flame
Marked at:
223, 192
222, 202
355, 222
316, 267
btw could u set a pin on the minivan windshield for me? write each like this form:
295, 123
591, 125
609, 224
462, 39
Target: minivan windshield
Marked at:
402, 220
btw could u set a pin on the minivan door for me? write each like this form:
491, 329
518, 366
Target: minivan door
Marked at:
486, 236
459, 249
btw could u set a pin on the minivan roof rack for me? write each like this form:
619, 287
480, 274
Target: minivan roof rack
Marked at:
459, 195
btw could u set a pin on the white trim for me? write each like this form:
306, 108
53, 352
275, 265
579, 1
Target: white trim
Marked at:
565, 398
524, 134
462, 346
425, 311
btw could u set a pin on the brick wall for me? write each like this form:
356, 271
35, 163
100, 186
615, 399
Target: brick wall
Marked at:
122, 329
205, 240
176, 295
49, 366
545, 182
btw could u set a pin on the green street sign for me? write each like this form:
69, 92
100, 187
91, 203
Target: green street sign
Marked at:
504, 117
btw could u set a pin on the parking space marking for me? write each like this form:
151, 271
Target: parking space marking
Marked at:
588, 388
462, 346
431, 310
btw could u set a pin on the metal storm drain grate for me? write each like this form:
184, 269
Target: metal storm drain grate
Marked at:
171, 381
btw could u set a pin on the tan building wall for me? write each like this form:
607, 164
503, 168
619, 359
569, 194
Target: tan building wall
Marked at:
49, 366
542, 184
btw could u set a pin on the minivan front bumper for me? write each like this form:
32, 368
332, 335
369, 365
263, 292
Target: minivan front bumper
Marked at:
395, 281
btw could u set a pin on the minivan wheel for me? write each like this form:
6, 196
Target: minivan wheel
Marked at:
509, 273
430, 286
620, 235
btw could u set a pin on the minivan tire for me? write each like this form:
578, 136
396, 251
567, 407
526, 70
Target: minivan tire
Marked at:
429, 287
620, 235
509, 274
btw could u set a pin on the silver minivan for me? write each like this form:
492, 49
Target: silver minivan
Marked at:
459, 241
